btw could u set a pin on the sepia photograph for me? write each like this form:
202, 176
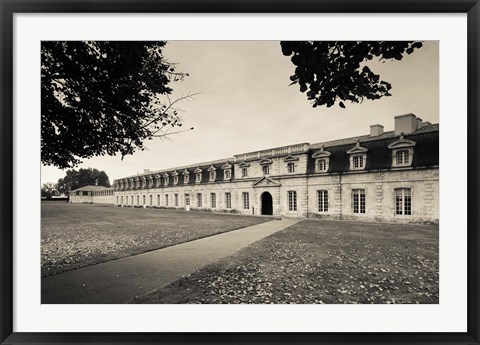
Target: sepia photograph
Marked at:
240, 172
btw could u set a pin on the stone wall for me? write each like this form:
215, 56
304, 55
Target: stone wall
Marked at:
379, 195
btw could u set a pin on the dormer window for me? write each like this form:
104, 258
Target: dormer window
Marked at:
175, 177
402, 152
212, 173
227, 171
150, 181
322, 160
186, 176
244, 166
198, 175
358, 157
265, 163
290, 160
291, 168
403, 157
266, 170
358, 162
321, 165
158, 179
165, 179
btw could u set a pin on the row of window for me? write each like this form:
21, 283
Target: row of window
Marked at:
403, 201
358, 162
131, 201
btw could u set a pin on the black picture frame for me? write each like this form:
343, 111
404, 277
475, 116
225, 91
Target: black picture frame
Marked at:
10, 7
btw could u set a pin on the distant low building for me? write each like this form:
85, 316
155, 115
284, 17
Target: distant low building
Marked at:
92, 195
384, 176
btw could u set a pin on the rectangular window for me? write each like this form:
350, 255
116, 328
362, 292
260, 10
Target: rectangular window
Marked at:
186, 178
212, 176
322, 200
158, 199
117, 199
144, 199
358, 200
228, 200
132, 200
199, 177
403, 201
358, 161
244, 172
176, 200
175, 179
292, 200
291, 167
199, 200
138, 200
322, 165
151, 200
187, 199
246, 200
403, 157
166, 200
166, 181
213, 199
266, 170
227, 174
126, 200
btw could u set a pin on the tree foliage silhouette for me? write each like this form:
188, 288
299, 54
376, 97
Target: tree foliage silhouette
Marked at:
74, 179
337, 71
103, 98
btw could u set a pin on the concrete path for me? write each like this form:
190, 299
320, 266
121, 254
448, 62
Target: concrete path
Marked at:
120, 280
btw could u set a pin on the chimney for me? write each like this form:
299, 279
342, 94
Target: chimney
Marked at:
419, 123
405, 124
376, 130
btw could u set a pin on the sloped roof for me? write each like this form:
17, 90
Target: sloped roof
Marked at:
379, 156
90, 188
367, 137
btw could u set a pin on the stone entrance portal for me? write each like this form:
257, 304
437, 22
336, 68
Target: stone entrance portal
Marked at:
267, 203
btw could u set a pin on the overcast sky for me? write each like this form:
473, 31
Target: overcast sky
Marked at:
245, 104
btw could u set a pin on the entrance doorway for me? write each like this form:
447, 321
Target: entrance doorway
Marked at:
267, 203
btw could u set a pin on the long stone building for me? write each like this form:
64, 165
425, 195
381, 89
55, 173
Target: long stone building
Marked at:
384, 176
91, 195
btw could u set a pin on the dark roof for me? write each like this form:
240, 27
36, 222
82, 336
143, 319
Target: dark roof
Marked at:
91, 188
367, 138
379, 156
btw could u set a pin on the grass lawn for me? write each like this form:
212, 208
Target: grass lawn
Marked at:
79, 235
320, 262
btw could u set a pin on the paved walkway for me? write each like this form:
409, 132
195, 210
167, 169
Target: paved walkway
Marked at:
120, 280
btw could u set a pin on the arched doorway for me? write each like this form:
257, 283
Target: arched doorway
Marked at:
267, 203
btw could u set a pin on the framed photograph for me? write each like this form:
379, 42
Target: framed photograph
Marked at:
239, 172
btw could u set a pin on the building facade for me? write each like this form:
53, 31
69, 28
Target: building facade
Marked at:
92, 195
383, 176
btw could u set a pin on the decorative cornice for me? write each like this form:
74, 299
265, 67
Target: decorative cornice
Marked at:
357, 149
265, 182
266, 161
322, 153
244, 164
290, 158
227, 166
212, 168
198, 170
401, 142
